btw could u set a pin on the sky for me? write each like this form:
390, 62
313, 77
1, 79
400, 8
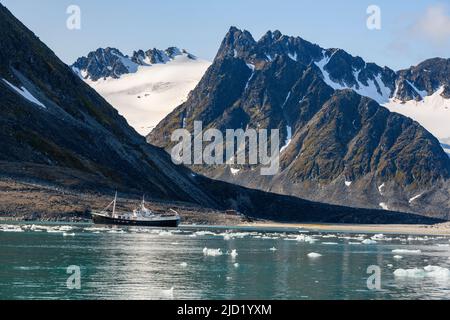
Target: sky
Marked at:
411, 31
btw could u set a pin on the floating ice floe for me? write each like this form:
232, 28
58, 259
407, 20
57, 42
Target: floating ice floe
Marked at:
303, 238
205, 233
381, 237
330, 243
11, 228
273, 249
314, 255
397, 257
368, 241
116, 231
236, 265
96, 229
183, 264
357, 238
166, 233
212, 252
168, 293
231, 235
234, 253
325, 236
406, 251
435, 272
425, 238
66, 234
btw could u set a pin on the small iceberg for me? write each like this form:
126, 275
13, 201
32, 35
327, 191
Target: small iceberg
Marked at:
183, 264
234, 253
397, 257
273, 249
205, 233
65, 234
438, 273
304, 238
212, 252
406, 251
368, 241
314, 255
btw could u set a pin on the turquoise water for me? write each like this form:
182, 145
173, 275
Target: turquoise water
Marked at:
143, 263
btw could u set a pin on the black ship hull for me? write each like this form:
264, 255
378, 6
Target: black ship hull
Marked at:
170, 223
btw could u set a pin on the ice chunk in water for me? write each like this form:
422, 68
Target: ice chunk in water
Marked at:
436, 272
368, 241
406, 251
234, 253
397, 257
314, 255
212, 252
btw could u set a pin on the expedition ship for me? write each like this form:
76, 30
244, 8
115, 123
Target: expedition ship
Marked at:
139, 217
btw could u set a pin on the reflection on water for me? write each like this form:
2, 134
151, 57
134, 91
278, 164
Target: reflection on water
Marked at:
143, 263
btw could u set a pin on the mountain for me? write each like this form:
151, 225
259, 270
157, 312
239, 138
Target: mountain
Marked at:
144, 87
423, 94
339, 145
57, 132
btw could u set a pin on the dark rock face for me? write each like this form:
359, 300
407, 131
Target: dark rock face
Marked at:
111, 63
104, 63
428, 76
337, 135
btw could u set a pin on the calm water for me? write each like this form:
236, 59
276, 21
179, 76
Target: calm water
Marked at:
141, 263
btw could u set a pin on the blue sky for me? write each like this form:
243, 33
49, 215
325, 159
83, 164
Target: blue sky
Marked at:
411, 31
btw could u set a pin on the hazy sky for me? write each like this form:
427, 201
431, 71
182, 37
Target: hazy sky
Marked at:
411, 31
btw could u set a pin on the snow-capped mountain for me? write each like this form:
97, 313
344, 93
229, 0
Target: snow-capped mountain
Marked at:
337, 145
144, 87
421, 92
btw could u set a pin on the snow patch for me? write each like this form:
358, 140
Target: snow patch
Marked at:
384, 206
370, 91
26, 94
414, 198
288, 139
381, 188
234, 171
293, 56
433, 113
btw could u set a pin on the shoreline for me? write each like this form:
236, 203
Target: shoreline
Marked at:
442, 229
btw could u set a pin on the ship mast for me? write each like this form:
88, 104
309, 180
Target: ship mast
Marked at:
114, 206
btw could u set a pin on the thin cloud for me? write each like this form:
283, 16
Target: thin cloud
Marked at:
434, 26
